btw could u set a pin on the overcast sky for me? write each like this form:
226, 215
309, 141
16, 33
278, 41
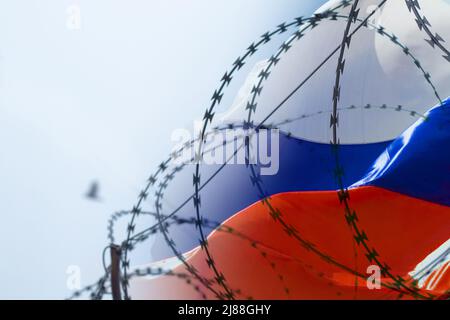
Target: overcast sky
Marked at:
100, 103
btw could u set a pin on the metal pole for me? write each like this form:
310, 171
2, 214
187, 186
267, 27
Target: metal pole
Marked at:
115, 272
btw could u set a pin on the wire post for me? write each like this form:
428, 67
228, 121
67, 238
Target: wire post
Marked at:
116, 290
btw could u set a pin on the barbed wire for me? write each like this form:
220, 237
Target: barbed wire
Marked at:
228, 126
351, 216
218, 226
219, 285
100, 288
341, 63
232, 126
217, 97
435, 41
270, 126
209, 115
334, 119
256, 91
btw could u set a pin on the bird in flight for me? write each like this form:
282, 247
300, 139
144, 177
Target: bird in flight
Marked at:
93, 192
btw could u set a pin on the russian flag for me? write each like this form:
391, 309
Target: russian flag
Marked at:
296, 235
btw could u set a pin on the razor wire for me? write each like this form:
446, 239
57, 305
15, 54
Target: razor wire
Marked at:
217, 97
359, 237
153, 230
275, 60
351, 216
198, 221
435, 41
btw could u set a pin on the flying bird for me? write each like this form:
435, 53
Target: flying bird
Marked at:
93, 192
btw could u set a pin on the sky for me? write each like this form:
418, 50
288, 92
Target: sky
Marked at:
97, 101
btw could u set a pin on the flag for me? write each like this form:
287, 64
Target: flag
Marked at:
298, 236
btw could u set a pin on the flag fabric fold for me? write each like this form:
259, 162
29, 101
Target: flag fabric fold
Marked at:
316, 246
